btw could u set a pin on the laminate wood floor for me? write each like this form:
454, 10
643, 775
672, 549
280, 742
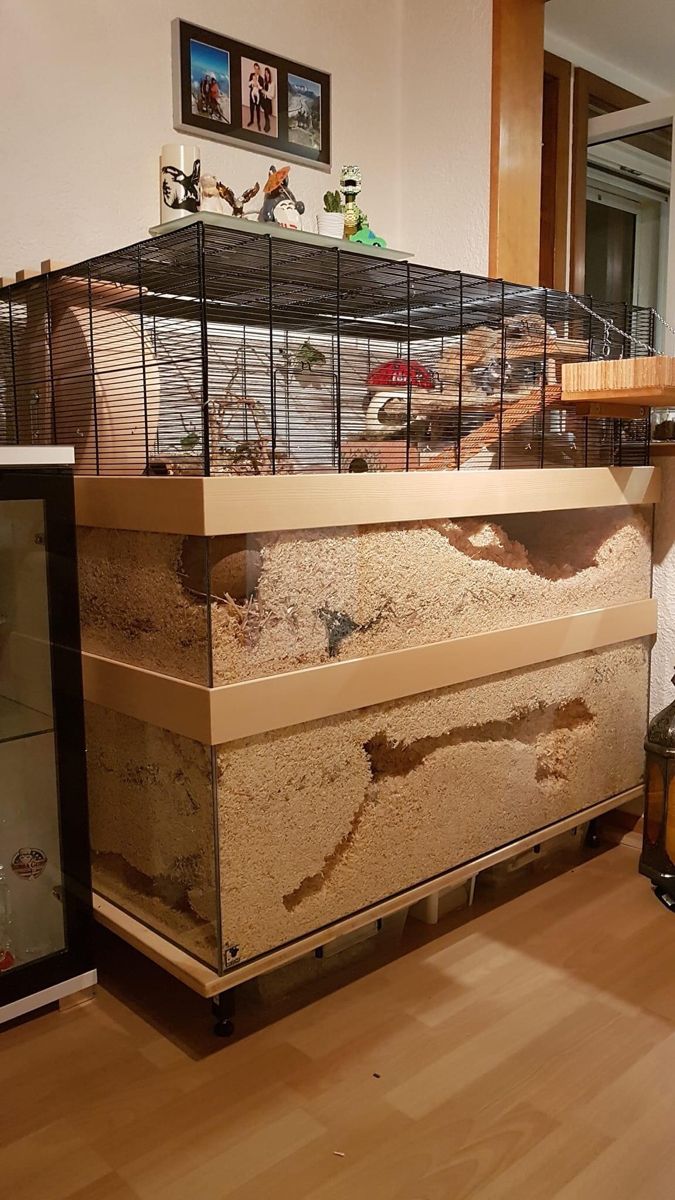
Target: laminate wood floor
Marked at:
524, 1053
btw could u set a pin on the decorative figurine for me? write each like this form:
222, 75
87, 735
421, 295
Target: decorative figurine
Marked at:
218, 198
211, 199
238, 203
350, 186
279, 204
365, 236
29, 862
179, 180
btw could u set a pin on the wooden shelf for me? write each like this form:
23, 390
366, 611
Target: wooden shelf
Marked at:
662, 449
266, 503
208, 982
227, 713
620, 381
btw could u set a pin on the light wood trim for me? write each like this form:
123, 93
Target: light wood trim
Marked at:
174, 704
555, 174
260, 706
157, 948
623, 379
161, 505
227, 713
515, 157
229, 504
208, 983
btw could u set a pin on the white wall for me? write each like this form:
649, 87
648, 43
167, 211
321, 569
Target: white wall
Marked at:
85, 92
631, 43
446, 69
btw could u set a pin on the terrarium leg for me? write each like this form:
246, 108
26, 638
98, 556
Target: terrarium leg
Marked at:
223, 1007
593, 834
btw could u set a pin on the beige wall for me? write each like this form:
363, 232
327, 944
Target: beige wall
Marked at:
85, 89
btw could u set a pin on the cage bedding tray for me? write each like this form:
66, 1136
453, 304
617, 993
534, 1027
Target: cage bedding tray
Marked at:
270, 228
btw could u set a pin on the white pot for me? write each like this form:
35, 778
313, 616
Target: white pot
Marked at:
331, 224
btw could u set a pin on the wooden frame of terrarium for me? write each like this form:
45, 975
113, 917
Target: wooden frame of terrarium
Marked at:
217, 716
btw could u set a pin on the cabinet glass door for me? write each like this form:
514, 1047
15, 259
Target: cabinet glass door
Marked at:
32, 925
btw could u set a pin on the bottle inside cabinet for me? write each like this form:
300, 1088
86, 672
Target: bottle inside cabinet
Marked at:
31, 913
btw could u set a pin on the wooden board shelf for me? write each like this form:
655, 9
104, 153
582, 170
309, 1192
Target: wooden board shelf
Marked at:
233, 711
268, 503
621, 381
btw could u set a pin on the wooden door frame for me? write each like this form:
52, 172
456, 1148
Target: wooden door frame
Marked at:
555, 174
515, 155
587, 87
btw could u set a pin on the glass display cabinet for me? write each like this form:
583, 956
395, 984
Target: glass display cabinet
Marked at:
45, 898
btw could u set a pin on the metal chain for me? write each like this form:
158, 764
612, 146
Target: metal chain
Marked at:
663, 321
608, 325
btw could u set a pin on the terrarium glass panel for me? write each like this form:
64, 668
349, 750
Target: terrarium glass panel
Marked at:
286, 600
143, 600
323, 819
152, 827
320, 820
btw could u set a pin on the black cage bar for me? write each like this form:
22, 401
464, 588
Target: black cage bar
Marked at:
211, 351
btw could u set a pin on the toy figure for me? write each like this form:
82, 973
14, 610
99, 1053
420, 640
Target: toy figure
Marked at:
237, 203
279, 204
365, 236
350, 186
218, 198
211, 200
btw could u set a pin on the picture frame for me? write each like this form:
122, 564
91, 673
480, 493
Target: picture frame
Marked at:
228, 91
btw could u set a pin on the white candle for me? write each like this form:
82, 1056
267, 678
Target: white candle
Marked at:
179, 193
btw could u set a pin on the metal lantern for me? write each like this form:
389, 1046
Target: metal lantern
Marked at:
657, 860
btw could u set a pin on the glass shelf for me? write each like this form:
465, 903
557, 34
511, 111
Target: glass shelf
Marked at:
19, 721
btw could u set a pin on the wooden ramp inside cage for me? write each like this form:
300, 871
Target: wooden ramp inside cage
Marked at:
504, 422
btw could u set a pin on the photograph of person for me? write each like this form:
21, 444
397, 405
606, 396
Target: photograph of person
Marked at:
210, 82
259, 106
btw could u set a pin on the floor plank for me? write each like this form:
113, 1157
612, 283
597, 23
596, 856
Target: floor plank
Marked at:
522, 1051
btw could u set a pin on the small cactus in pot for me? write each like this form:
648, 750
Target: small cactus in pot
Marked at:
331, 221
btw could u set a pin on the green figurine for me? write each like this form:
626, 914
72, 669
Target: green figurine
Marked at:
365, 236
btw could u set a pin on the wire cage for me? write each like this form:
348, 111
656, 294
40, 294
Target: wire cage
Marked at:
210, 351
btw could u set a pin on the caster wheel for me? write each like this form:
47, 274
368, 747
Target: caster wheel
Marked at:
224, 1028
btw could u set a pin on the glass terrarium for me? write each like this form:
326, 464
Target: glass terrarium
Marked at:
223, 609
234, 850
